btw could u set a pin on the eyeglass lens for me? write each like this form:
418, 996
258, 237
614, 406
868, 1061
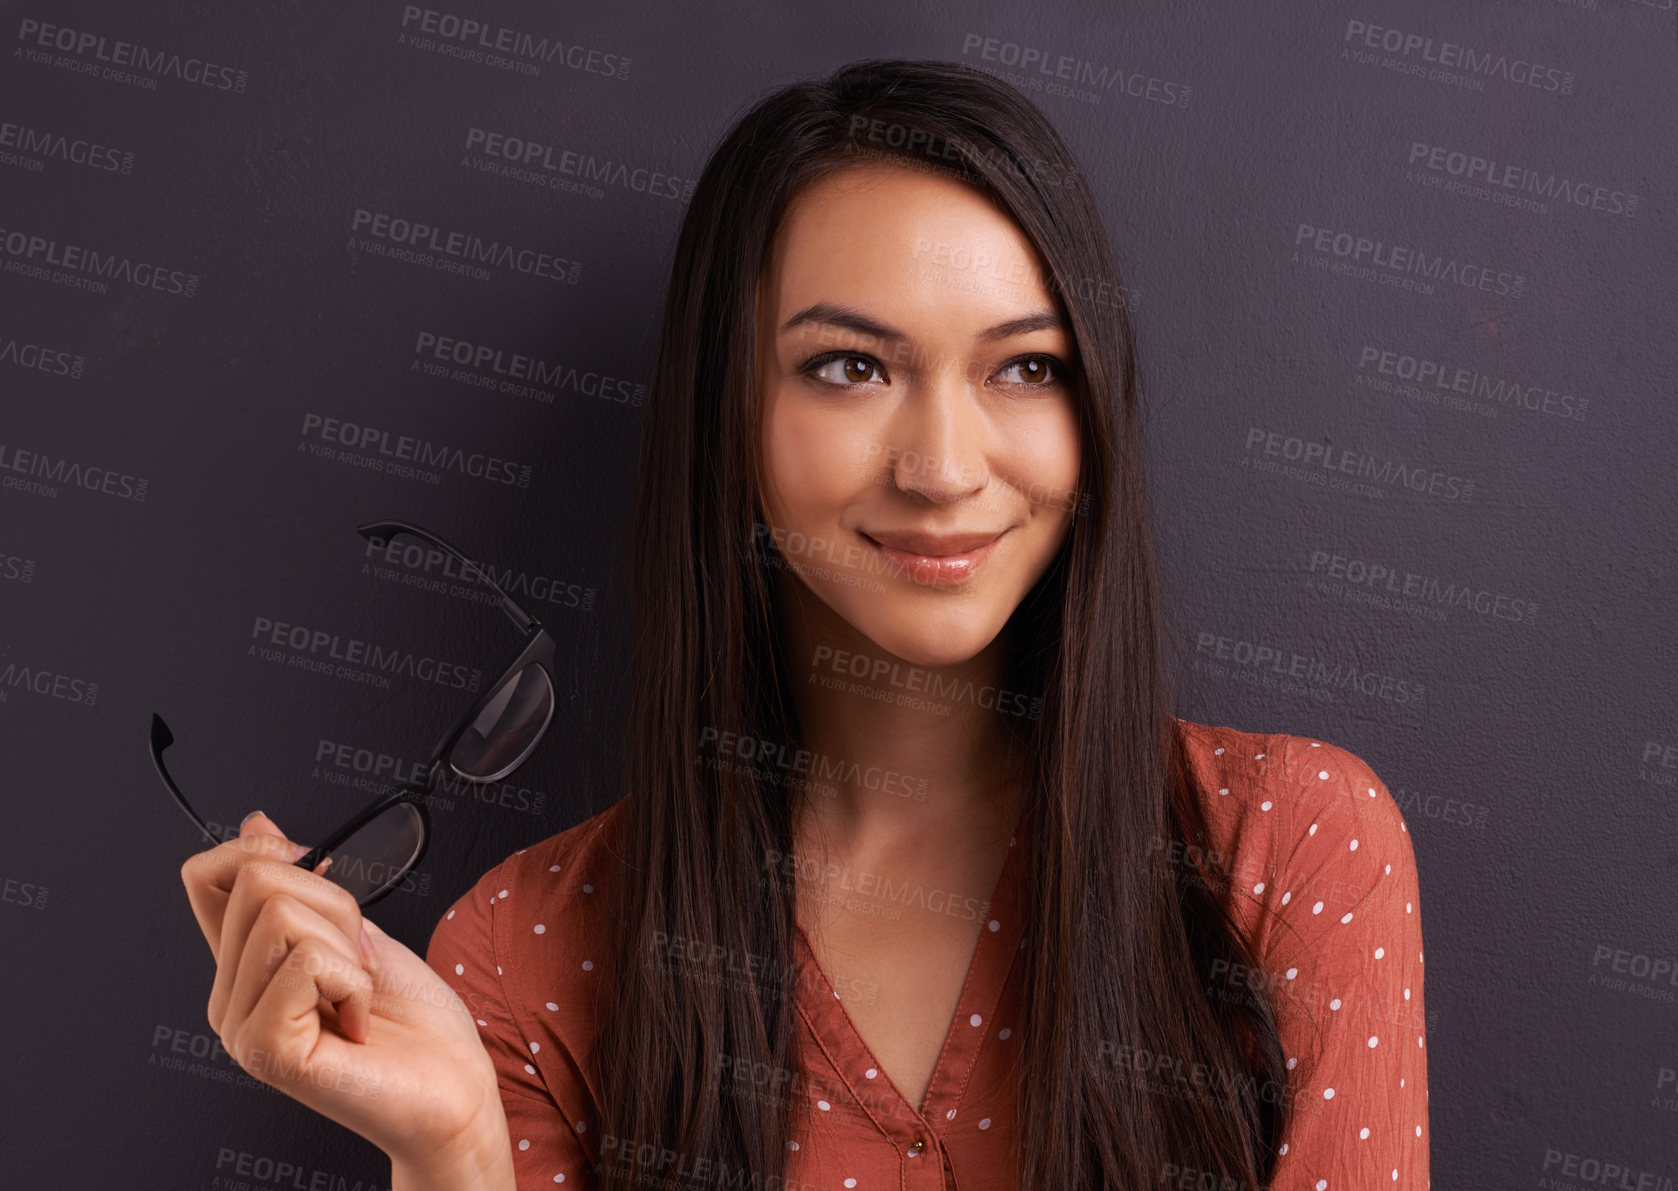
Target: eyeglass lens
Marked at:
502, 734
507, 728
378, 853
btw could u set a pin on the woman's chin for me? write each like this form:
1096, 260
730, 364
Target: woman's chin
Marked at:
935, 643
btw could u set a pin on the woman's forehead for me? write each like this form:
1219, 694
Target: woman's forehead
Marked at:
905, 244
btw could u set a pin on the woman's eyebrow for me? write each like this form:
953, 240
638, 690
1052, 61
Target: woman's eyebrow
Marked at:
835, 315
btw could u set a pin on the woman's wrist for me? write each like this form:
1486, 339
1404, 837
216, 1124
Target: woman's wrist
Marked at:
481, 1163
479, 1158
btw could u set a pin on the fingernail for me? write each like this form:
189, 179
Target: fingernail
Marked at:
249, 817
367, 952
298, 850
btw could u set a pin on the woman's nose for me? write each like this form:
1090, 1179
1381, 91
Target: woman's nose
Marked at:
937, 447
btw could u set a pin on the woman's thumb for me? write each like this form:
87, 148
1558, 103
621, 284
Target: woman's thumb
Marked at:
258, 823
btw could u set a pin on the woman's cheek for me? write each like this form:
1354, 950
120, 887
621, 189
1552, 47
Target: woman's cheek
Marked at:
1048, 460
822, 463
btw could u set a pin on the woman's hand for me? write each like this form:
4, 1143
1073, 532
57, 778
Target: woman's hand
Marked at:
366, 1034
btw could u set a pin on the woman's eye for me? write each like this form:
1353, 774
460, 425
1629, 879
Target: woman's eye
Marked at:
1034, 371
845, 370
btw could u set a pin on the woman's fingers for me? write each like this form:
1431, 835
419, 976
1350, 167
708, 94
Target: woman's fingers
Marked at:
260, 881
288, 935
228, 884
273, 1027
209, 875
297, 1007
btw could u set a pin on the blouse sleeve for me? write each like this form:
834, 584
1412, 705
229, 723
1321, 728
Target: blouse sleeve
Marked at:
1345, 962
463, 951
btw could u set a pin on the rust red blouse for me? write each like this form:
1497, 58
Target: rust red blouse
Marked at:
1317, 870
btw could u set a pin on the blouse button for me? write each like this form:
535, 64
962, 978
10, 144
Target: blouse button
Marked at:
916, 1149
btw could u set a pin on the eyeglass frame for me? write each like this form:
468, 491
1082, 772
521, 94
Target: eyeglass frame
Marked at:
538, 648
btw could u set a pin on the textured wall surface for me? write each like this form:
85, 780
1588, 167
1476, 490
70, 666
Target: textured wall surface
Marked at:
1402, 274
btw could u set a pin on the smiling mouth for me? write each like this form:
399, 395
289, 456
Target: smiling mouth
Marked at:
935, 570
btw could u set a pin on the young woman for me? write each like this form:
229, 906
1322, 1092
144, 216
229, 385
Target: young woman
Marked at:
914, 880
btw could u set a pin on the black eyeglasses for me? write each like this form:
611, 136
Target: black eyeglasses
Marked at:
381, 844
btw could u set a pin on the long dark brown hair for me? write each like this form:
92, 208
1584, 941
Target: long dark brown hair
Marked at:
1121, 941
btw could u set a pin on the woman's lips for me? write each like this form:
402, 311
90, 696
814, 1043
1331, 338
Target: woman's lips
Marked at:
942, 570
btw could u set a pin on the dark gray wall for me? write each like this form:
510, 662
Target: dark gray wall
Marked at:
1316, 270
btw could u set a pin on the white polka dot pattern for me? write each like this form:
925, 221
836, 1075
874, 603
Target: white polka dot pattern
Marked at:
472, 948
1351, 1004
1317, 871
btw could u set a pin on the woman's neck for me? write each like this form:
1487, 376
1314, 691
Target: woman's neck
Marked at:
903, 756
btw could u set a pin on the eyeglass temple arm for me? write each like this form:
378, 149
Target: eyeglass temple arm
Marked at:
380, 532
162, 738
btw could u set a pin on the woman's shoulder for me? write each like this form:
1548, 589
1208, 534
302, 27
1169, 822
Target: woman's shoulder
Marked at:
1290, 807
1285, 771
1324, 888
564, 861
543, 893
525, 948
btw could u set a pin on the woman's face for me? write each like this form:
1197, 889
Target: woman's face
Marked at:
919, 433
